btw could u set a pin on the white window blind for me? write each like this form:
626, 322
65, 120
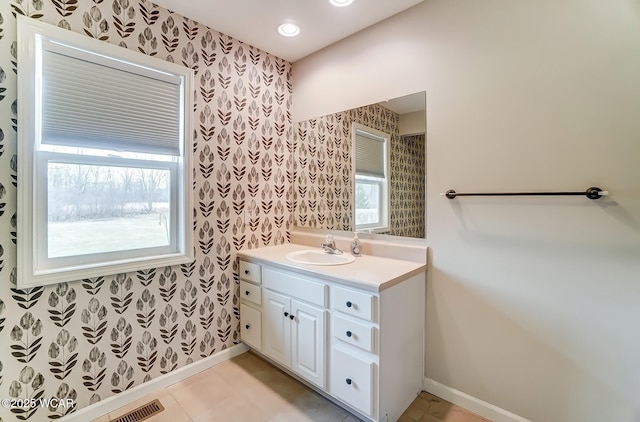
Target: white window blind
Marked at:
113, 105
370, 154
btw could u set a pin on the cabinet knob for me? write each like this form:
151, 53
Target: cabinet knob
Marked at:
286, 313
246, 272
291, 317
246, 292
349, 334
349, 304
247, 326
348, 381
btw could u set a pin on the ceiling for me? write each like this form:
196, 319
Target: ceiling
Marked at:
255, 21
407, 104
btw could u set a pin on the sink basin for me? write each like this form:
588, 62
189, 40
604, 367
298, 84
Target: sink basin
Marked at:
319, 257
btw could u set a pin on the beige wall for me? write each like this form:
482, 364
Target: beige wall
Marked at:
533, 303
412, 123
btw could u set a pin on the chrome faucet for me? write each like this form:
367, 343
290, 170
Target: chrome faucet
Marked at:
329, 246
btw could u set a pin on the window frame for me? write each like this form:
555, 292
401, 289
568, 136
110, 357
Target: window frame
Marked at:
383, 183
34, 268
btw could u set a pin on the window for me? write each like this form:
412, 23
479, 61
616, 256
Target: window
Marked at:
104, 179
371, 209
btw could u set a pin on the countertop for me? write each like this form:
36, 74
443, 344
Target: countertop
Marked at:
371, 273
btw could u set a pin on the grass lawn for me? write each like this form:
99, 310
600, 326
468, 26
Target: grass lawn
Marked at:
107, 235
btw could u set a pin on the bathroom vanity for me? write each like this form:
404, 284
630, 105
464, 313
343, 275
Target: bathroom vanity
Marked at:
353, 332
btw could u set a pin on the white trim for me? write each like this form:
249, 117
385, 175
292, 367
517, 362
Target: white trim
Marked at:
475, 405
385, 185
112, 403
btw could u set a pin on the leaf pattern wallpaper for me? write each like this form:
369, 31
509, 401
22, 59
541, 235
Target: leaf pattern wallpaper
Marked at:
90, 339
323, 179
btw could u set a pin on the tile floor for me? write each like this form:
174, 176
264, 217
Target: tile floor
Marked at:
248, 389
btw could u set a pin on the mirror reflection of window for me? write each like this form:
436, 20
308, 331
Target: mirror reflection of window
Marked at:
371, 179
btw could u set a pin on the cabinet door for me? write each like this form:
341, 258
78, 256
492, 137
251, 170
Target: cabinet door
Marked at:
308, 342
250, 326
276, 327
352, 380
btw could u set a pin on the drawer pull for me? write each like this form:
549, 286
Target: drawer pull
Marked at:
349, 333
286, 313
247, 326
348, 381
246, 272
246, 292
349, 304
291, 317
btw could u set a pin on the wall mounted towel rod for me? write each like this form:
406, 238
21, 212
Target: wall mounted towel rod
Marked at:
593, 192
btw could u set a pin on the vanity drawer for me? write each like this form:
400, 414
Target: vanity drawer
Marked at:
250, 292
353, 302
298, 287
356, 333
352, 380
250, 272
250, 326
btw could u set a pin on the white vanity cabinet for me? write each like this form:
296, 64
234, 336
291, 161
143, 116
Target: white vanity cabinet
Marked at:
250, 304
360, 347
354, 346
294, 321
294, 335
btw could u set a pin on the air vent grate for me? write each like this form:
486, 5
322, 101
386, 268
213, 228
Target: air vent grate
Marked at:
141, 413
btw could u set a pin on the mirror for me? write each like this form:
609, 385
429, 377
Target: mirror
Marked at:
325, 166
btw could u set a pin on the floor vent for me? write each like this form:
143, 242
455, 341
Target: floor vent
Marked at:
141, 413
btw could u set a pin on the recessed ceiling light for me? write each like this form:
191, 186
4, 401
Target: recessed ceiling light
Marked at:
340, 3
289, 29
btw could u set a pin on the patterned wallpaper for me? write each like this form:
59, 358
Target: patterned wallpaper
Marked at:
91, 339
408, 172
324, 182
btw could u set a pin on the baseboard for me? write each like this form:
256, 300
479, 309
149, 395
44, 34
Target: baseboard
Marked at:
112, 403
482, 408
